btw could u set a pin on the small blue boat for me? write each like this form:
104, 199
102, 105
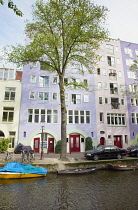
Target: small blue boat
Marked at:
15, 170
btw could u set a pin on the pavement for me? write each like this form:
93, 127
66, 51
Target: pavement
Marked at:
50, 158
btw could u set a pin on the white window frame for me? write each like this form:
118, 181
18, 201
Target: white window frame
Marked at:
32, 95
42, 81
86, 98
43, 95
33, 78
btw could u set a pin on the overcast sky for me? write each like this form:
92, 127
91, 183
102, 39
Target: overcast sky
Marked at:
122, 20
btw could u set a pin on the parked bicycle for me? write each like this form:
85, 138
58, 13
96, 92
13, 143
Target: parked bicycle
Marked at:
27, 156
8, 156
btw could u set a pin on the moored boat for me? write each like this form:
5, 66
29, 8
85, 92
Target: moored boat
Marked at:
77, 171
121, 167
14, 170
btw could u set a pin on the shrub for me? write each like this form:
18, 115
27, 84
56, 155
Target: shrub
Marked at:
4, 145
88, 143
58, 147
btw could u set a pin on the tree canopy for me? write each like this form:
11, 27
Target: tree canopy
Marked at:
13, 6
63, 32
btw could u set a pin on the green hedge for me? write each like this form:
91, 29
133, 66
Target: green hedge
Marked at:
88, 143
4, 145
58, 147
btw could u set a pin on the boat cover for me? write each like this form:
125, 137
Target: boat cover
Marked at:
21, 168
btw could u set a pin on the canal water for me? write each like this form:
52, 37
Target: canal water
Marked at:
102, 190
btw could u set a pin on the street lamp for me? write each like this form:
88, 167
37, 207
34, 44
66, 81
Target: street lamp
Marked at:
42, 140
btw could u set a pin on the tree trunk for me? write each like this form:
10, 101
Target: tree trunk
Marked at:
63, 155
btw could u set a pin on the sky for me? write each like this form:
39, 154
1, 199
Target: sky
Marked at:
122, 20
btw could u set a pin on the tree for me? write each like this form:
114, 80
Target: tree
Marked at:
12, 6
63, 33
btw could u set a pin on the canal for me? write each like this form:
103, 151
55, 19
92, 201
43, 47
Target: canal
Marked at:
102, 190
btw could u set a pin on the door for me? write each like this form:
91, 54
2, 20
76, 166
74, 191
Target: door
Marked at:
36, 145
118, 141
50, 145
102, 141
75, 143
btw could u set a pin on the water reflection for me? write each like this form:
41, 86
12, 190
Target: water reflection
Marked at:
101, 190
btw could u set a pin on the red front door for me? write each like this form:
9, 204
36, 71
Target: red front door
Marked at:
36, 144
50, 145
102, 141
118, 141
74, 143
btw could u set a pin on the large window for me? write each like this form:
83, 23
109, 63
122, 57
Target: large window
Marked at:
7, 74
8, 114
43, 81
111, 61
110, 49
128, 51
133, 88
9, 94
78, 117
76, 99
43, 97
42, 115
116, 119
134, 118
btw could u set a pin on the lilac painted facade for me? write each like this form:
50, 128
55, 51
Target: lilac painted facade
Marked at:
40, 101
129, 53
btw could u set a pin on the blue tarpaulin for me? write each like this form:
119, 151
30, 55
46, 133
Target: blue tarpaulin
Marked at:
21, 168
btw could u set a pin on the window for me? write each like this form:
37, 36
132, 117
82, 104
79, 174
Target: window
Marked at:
105, 85
75, 83
99, 85
119, 74
115, 103
134, 118
55, 116
54, 80
9, 94
42, 115
78, 117
122, 101
33, 78
113, 88
43, 97
118, 60
133, 88
112, 73
116, 119
43, 81
129, 62
104, 72
101, 117
32, 95
7, 74
86, 98
110, 49
12, 139
66, 81
85, 81
98, 71
136, 51
8, 114
131, 75
106, 100
100, 100
128, 51
134, 101
54, 96
111, 61
126, 139
75, 99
